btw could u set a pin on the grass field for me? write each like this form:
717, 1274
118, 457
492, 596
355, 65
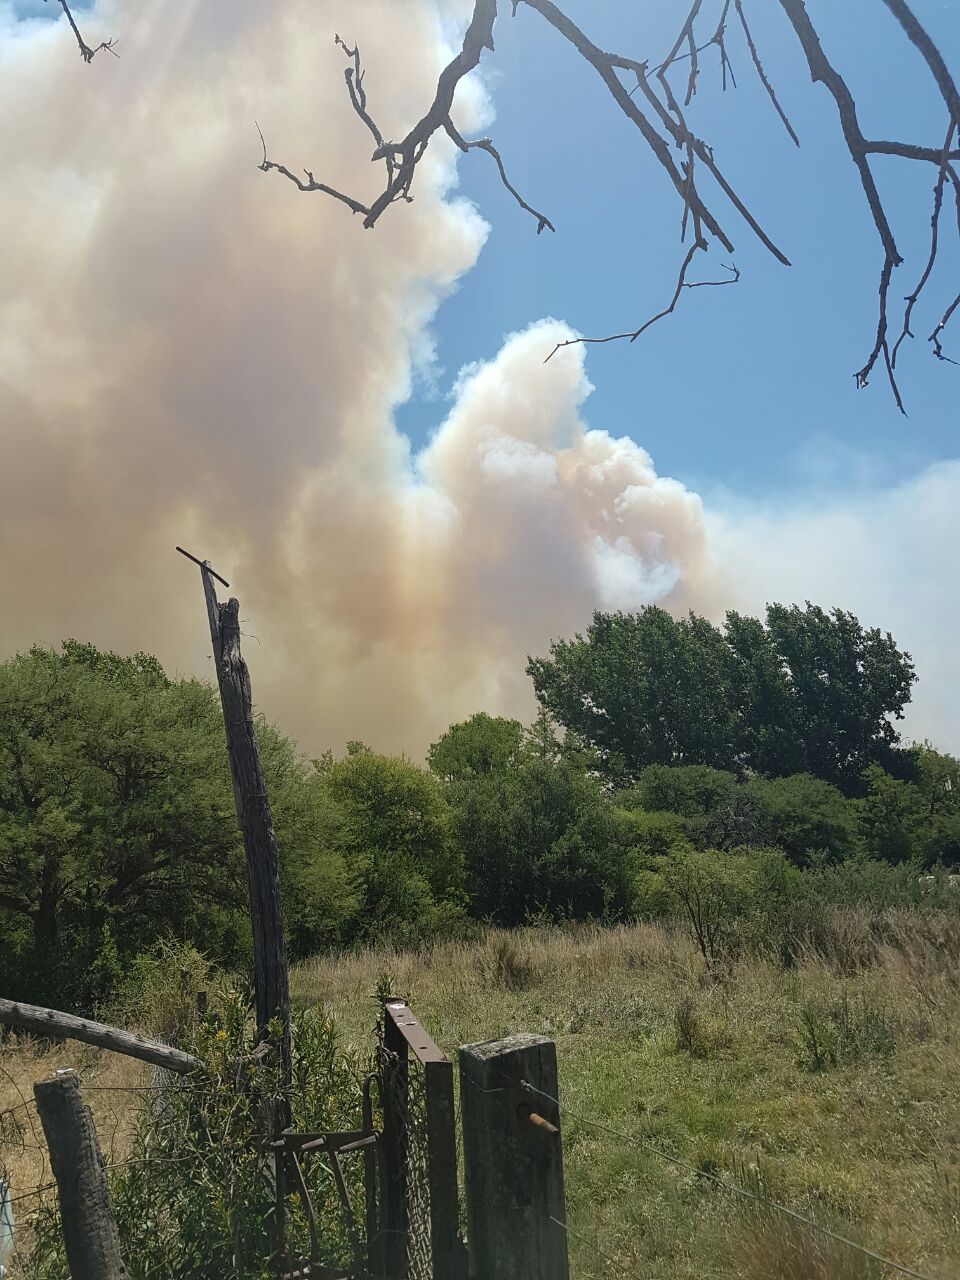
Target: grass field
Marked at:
832, 1086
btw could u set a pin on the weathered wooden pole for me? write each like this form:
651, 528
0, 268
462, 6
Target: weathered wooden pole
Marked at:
252, 804
89, 1230
253, 816
513, 1160
50, 1022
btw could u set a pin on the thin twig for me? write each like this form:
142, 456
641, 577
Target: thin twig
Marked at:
911, 298
485, 144
682, 283
738, 5
86, 52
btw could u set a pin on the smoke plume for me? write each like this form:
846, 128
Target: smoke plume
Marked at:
192, 352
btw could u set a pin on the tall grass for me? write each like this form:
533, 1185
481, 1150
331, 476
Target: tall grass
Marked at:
837, 1075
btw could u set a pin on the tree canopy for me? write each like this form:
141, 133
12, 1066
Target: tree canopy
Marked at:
805, 692
118, 831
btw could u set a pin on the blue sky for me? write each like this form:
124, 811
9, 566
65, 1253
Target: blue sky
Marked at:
747, 388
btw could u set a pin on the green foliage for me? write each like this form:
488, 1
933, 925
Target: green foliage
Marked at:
116, 821
392, 829
643, 688
844, 1031
537, 834
892, 818
194, 1200
806, 818
475, 748
117, 825
806, 692
742, 899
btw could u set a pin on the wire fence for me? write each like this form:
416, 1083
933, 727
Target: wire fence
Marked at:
724, 1184
403, 1100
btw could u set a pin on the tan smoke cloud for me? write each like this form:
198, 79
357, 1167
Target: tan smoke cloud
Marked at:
193, 352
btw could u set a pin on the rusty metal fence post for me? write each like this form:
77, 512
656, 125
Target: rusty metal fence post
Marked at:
419, 1230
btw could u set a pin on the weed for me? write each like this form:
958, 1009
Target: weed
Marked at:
508, 964
843, 1032
689, 1030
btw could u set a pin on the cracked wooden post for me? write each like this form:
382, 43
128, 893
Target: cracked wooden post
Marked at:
513, 1160
252, 804
89, 1230
253, 814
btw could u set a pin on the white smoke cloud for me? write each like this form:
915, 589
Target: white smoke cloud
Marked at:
889, 554
194, 352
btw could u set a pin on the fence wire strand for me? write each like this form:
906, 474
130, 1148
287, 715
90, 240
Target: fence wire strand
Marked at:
723, 1184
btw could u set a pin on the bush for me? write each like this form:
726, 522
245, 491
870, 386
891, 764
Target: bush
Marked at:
195, 1199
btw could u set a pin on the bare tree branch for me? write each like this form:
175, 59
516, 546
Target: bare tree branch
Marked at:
930, 53
86, 52
311, 183
737, 4
908, 151
484, 144
682, 283
654, 108
945, 318
822, 70
911, 298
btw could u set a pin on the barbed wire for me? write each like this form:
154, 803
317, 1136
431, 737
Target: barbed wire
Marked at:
733, 1187
32, 1195
21, 1106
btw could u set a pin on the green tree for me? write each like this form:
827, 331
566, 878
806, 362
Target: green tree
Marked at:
714, 810
643, 688
391, 825
807, 818
117, 824
475, 748
806, 692
893, 819
537, 834
848, 684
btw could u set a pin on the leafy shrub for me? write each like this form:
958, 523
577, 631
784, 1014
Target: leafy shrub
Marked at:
196, 1198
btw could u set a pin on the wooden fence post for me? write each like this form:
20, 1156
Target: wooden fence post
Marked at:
89, 1229
513, 1160
253, 816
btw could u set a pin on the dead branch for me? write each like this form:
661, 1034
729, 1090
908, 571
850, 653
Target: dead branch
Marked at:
86, 52
930, 54
682, 283
402, 158
50, 1022
485, 144
771, 93
660, 115
911, 299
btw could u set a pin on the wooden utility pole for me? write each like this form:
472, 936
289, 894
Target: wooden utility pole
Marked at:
513, 1160
89, 1230
254, 817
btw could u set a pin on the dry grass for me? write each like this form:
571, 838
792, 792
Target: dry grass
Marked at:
718, 1074
107, 1078
714, 1071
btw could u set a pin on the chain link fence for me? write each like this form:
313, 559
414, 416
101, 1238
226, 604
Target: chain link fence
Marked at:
419, 1201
